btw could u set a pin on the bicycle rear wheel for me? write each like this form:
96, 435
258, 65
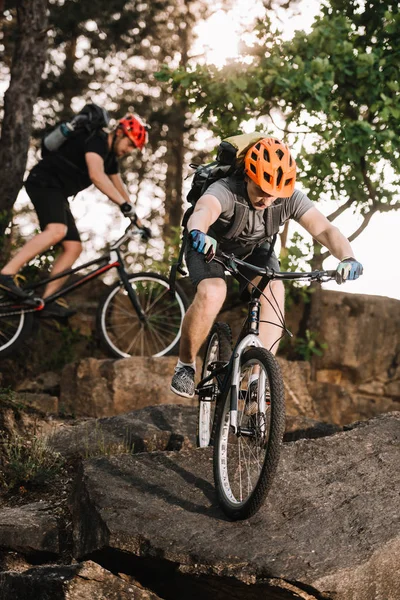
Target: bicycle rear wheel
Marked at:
218, 348
122, 332
245, 462
14, 328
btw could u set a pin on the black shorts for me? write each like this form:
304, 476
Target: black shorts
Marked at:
199, 269
52, 206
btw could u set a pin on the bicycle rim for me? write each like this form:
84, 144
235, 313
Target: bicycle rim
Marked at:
219, 348
246, 461
122, 329
12, 329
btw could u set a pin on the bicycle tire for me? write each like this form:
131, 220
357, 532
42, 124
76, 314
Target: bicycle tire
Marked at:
245, 465
121, 332
14, 330
218, 348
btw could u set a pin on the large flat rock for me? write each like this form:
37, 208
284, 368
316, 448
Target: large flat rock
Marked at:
29, 529
330, 525
86, 581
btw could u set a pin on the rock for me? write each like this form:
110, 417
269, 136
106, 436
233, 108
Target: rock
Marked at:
85, 581
354, 326
29, 529
43, 403
296, 379
329, 527
164, 427
102, 388
298, 428
341, 405
46, 383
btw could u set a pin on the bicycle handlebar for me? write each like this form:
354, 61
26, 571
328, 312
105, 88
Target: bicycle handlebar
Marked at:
230, 262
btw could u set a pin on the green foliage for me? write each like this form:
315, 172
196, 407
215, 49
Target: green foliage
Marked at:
28, 462
309, 346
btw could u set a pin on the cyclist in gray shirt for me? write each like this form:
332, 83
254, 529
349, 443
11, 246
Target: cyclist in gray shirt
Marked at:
265, 193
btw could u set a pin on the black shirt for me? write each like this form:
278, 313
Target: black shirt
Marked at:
67, 168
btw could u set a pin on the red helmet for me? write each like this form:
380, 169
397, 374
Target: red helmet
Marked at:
270, 165
134, 128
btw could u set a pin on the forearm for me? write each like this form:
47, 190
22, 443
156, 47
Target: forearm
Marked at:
337, 244
200, 219
103, 183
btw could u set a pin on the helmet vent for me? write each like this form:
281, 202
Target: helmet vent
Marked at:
253, 169
254, 156
257, 146
267, 177
280, 175
266, 155
279, 153
288, 181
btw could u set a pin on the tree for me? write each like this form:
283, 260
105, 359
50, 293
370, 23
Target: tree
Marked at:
28, 60
338, 92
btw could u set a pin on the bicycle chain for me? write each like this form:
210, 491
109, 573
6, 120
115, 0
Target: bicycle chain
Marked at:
18, 312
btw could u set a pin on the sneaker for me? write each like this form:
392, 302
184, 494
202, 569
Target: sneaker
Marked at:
183, 382
251, 407
9, 283
58, 309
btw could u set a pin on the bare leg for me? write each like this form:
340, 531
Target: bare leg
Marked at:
53, 233
200, 317
270, 333
71, 251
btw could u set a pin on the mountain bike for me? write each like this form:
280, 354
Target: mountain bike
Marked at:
241, 400
138, 315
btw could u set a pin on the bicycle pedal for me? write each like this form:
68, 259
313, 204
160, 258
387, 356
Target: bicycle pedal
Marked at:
217, 364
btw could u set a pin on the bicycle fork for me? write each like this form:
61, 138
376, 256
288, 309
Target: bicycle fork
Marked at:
250, 339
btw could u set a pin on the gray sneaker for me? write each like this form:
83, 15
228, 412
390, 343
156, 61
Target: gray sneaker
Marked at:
183, 382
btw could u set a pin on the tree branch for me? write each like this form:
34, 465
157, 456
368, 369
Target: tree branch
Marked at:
340, 210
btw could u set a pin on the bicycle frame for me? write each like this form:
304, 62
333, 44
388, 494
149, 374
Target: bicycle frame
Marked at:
109, 260
249, 335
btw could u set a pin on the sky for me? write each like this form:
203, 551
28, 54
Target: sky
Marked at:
374, 248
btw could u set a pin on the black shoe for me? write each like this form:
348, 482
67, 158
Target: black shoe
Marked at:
9, 283
57, 310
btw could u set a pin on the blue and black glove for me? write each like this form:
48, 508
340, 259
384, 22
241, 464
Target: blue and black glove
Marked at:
203, 243
348, 268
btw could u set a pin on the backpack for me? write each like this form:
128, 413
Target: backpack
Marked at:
230, 159
91, 119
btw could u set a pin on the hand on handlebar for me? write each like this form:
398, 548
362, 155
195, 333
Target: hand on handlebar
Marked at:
203, 243
128, 211
348, 269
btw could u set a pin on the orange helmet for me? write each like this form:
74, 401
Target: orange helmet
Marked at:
270, 165
134, 128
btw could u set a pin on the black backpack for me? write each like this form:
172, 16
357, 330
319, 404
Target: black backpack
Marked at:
91, 118
229, 159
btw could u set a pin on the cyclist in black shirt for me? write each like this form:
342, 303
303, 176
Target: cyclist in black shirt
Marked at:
81, 161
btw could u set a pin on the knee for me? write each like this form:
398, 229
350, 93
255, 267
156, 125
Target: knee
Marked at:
56, 232
211, 293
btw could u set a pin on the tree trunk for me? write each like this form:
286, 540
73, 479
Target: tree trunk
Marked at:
27, 66
173, 182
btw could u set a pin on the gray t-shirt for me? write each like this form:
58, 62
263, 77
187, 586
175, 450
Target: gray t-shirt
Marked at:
254, 231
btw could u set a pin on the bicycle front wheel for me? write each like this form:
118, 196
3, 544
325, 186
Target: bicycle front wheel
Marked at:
218, 348
14, 328
245, 461
122, 332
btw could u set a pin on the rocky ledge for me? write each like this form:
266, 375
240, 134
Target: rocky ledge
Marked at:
147, 525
